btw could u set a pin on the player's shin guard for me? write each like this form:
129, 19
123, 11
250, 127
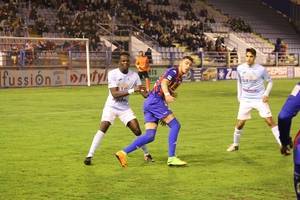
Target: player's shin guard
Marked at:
145, 149
236, 136
141, 140
96, 142
173, 134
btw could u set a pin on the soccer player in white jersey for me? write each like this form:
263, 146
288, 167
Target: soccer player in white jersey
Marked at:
121, 83
252, 94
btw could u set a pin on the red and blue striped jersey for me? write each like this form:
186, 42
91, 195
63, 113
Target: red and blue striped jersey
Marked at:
172, 74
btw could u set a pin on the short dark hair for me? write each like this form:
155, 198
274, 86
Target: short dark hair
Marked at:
188, 57
124, 54
251, 50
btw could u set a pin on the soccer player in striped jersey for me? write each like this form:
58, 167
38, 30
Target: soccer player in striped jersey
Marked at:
252, 94
288, 111
156, 109
121, 83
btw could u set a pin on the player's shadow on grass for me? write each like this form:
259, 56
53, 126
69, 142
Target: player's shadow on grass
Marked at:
198, 159
250, 160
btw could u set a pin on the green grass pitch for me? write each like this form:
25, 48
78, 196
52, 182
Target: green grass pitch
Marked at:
46, 133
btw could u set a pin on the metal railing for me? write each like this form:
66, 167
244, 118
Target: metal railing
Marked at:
70, 59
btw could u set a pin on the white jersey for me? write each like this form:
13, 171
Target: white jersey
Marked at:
251, 81
124, 82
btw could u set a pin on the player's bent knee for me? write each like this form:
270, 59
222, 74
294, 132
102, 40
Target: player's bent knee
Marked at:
150, 134
150, 139
284, 116
174, 124
240, 124
138, 132
104, 125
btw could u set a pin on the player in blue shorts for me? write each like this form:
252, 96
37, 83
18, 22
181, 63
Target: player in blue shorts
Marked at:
288, 111
156, 109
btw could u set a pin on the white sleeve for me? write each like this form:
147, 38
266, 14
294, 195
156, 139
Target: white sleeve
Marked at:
266, 75
111, 78
269, 88
268, 78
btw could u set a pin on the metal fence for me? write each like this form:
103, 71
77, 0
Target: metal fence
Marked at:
71, 59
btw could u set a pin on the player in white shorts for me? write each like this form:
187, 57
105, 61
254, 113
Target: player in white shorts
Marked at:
121, 83
252, 95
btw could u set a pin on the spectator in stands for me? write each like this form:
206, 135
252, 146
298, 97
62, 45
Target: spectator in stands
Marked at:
277, 45
222, 54
29, 52
40, 26
93, 44
148, 53
280, 50
282, 56
14, 54
142, 64
209, 45
41, 46
33, 13
238, 25
233, 56
78, 19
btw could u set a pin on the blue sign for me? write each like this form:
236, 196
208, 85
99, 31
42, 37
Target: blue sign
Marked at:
225, 73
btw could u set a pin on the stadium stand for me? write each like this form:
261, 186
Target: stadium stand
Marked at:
171, 29
262, 19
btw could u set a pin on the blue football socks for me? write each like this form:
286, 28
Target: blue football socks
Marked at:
173, 134
141, 140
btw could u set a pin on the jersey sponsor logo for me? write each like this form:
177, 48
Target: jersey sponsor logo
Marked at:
250, 91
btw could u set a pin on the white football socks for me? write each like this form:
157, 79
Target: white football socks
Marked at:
145, 149
96, 142
236, 136
275, 132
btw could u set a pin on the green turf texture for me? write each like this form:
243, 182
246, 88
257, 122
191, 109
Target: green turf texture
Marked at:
45, 134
